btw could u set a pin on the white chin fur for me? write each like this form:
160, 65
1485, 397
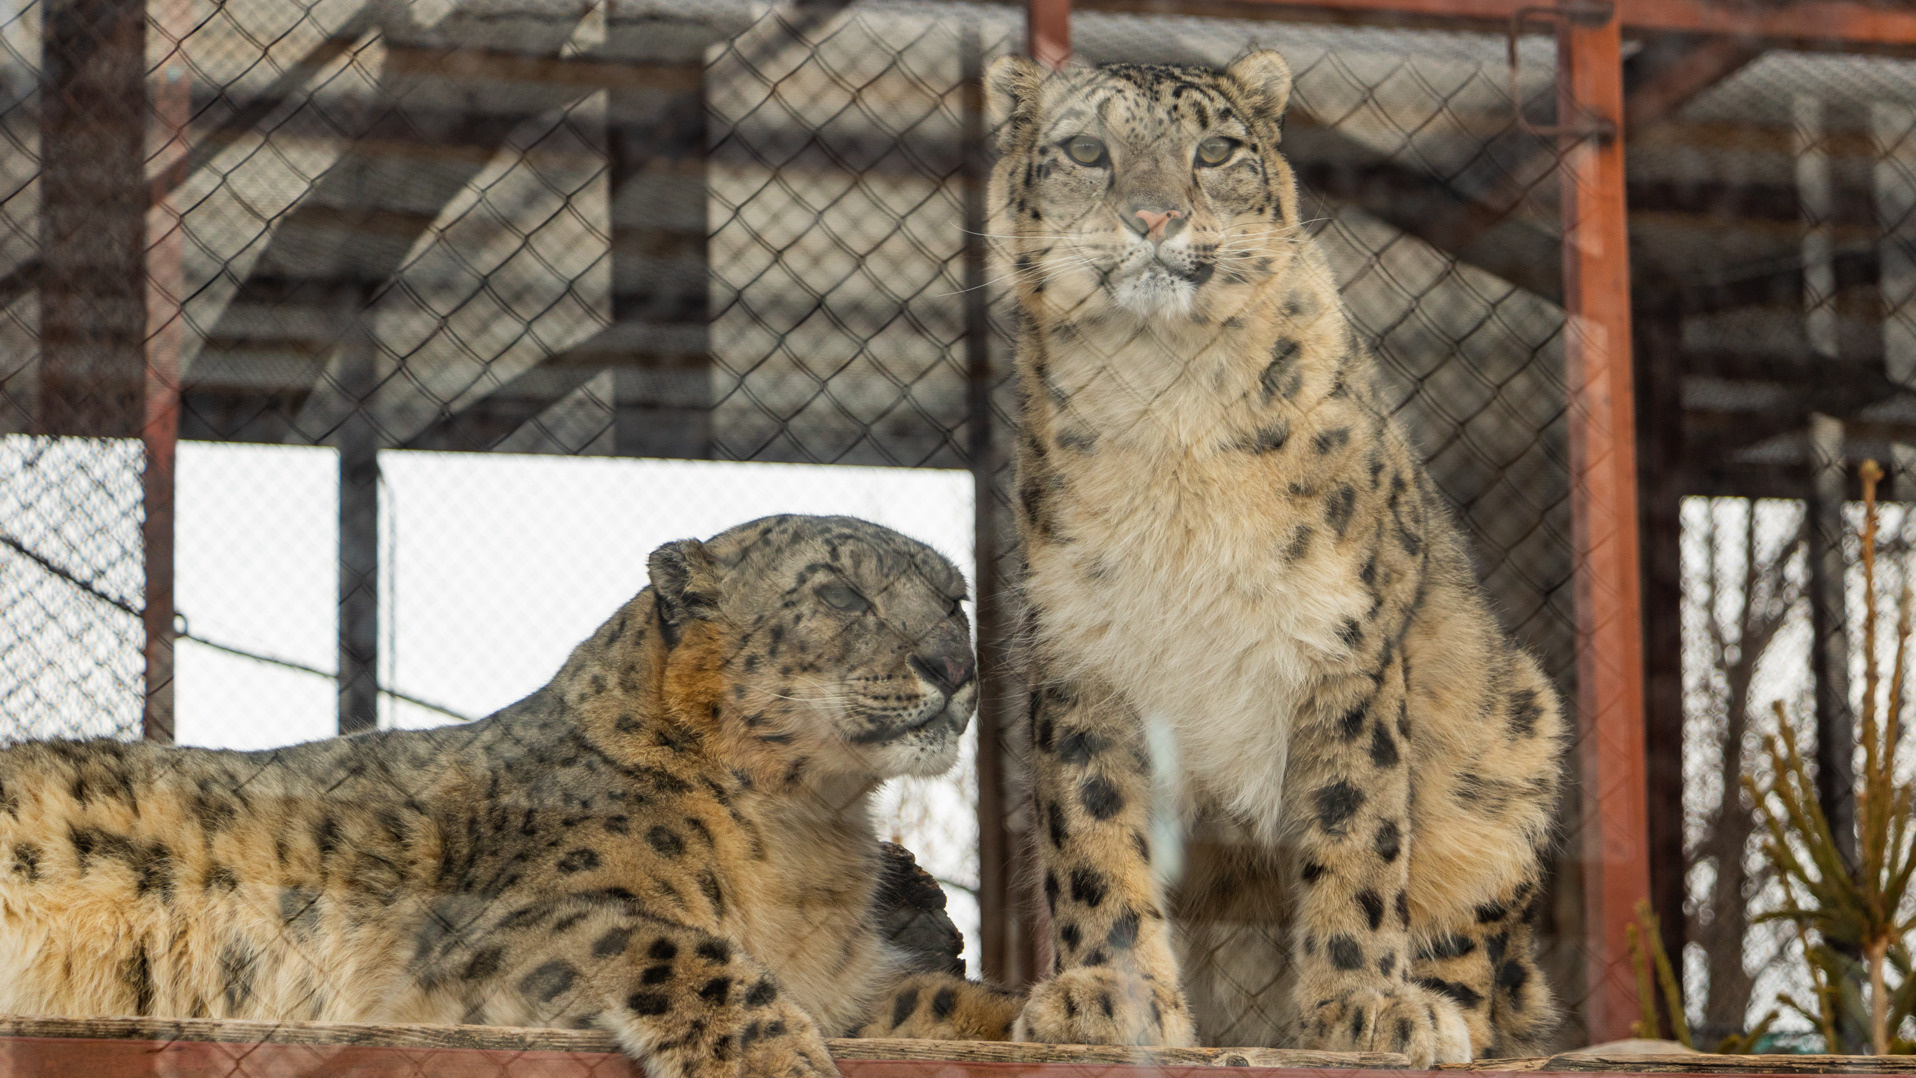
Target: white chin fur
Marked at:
923, 756
1154, 294
930, 751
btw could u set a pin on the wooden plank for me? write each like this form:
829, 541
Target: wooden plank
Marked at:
1693, 1063
39, 1057
106, 1047
555, 1042
93, 220
1013, 1052
61, 1057
1671, 71
1604, 537
1843, 25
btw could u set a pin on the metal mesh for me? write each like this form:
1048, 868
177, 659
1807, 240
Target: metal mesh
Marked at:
701, 232
395, 244
1781, 345
1439, 219
70, 660
1749, 646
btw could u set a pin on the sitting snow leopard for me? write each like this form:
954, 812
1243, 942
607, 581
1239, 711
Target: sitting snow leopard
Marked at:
1253, 622
671, 840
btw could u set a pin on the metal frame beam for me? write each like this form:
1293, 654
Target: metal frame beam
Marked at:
1662, 474
1604, 517
1048, 31
1842, 25
171, 102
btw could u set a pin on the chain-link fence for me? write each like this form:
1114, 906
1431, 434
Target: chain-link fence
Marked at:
1750, 645
468, 306
1773, 365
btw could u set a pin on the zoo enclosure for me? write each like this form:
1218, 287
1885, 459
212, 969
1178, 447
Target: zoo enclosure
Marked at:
703, 232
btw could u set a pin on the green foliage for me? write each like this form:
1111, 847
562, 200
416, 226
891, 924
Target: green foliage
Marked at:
1841, 909
1654, 962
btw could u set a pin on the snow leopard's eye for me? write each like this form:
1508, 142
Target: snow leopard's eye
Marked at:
844, 597
1085, 150
1215, 150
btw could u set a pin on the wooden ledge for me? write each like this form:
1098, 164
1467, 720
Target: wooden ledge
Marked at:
1010, 1052
54, 1045
115, 1047
1696, 1063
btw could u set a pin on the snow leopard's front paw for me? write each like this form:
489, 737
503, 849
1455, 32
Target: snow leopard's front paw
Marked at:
1399, 1018
1092, 1005
782, 1042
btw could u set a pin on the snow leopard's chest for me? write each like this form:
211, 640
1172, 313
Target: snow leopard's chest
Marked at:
1168, 579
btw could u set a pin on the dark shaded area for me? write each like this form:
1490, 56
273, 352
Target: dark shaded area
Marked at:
911, 915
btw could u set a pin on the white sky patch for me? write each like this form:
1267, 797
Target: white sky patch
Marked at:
492, 568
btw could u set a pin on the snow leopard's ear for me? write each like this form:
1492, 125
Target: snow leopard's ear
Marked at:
1264, 81
685, 585
1011, 97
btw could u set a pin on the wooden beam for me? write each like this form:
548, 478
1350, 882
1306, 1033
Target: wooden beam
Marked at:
1621, 1064
1671, 70
1048, 31
271, 1049
93, 220
1780, 287
1330, 164
1662, 465
395, 1050
655, 145
1604, 509
342, 236
1836, 25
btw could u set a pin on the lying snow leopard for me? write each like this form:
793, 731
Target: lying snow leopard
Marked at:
1250, 609
670, 841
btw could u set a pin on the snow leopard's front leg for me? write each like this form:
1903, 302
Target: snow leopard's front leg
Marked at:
1349, 788
941, 1007
1116, 978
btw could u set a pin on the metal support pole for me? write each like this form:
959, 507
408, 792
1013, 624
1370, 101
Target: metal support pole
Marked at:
358, 526
1829, 641
1829, 612
1829, 632
1663, 480
1893, 131
1048, 31
165, 288
655, 148
93, 203
1002, 935
1596, 276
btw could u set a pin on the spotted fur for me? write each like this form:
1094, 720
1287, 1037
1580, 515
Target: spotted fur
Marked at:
1262, 665
670, 841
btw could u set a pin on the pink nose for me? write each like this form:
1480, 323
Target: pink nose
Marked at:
1154, 222
958, 671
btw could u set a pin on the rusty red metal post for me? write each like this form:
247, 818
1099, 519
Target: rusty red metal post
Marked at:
1596, 276
1048, 31
159, 429
1000, 923
1842, 25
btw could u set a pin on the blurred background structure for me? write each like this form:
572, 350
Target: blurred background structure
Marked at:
353, 353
